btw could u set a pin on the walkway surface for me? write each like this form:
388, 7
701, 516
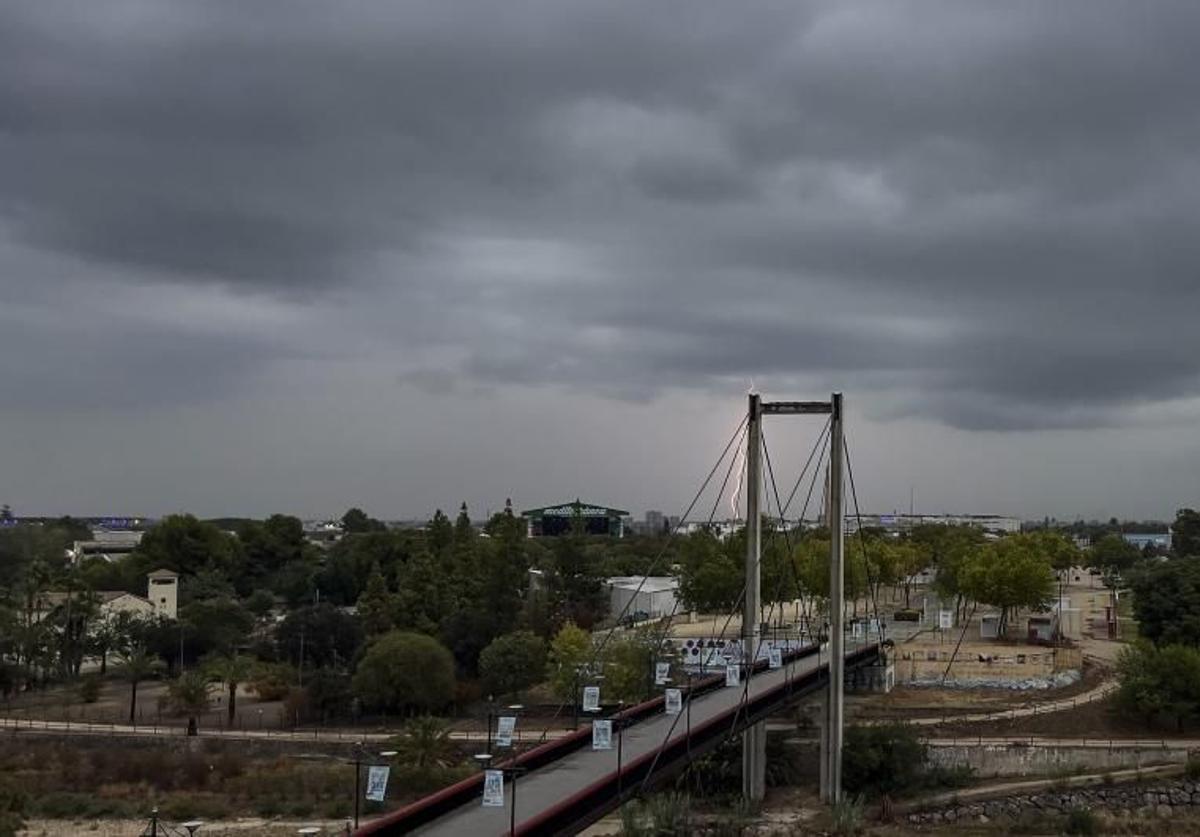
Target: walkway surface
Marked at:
548, 786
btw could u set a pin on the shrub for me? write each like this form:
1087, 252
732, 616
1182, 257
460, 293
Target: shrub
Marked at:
271, 681
891, 759
89, 689
662, 815
403, 672
847, 816
1192, 768
1081, 821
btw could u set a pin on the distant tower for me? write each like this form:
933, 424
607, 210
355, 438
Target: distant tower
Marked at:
163, 592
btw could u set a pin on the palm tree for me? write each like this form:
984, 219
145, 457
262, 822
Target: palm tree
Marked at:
136, 666
424, 741
189, 692
230, 671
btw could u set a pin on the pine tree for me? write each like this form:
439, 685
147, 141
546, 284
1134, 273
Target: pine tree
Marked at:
375, 605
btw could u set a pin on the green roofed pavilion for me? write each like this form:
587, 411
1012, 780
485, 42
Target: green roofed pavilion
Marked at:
553, 521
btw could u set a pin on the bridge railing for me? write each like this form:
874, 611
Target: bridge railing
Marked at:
603, 795
429, 808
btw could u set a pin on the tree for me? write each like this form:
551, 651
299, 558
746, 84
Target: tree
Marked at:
1011, 573
709, 578
219, 625
424, 742
186, 545
230, 670
356, 521
405, 672
512, 662
570, 649
1114, 557
1159, 681
629, 666
1166, 601
319, 636
375, 605
1185, 534
137, 665
189, 693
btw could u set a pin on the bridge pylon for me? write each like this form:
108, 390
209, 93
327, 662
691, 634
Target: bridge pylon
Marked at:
754, 741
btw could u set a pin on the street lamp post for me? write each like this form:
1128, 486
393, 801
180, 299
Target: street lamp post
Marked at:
360, 750
618, 721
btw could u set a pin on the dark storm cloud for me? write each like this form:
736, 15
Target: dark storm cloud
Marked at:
985, 211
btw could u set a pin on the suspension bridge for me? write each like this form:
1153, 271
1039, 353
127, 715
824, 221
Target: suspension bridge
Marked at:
562, 786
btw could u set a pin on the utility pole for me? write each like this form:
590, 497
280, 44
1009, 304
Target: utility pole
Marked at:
754, 740
837, 653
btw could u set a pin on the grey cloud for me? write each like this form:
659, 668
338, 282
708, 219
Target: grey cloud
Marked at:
984, 210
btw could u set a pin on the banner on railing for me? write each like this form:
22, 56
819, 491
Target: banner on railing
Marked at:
602, 735
733, 675
662, 672
493, 789
674, 701
591, 699
377, 779
505, 725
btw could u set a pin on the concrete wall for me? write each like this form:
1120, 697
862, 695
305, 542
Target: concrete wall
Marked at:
997, 760
982, 661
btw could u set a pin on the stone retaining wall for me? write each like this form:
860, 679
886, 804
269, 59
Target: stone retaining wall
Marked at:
1161, 798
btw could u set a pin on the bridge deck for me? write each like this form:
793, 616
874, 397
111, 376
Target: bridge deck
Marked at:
569, 776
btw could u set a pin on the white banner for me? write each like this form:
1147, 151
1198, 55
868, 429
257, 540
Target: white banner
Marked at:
591, 699
856, 630
377, 779
493, 789
775, 658
661, 673
505, 725
733, 675
602, 735
674, 701
945, 619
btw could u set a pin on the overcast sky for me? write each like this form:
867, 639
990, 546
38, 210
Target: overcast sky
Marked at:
296, 256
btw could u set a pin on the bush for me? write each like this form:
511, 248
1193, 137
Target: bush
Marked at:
1081, 821
404, 672
891, 759
847, 816
906, 616
271, 681
512, 662
89, 689
663, 815
1192, 768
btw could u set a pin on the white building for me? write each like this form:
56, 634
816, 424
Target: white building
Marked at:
651, 595
904, 522
163, 592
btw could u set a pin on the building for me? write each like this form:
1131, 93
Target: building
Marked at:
652, 595
656, 523
896, 523
106, 544
163, 592
553, 521
161, 599
1156, 540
